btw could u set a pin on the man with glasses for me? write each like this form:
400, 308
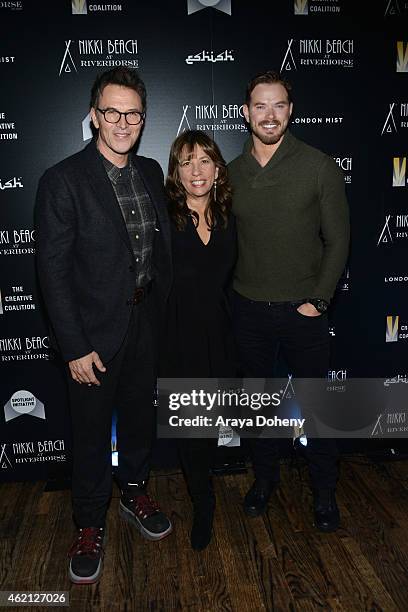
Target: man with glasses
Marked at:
104, 266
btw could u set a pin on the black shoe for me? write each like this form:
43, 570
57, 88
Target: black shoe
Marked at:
138, 508
86, 554
203, 516
257, 498
326, 512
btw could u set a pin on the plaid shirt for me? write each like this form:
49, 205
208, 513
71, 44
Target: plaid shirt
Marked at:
138, 213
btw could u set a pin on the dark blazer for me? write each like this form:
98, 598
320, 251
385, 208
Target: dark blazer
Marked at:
85, 262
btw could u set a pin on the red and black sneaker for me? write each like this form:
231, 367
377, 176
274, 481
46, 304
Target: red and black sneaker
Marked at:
86, 554
141, 510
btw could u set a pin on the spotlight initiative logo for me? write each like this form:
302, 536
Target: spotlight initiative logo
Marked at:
193, 6
23, 402
301, 7
399, 170
79, 7
391, 330
402, 56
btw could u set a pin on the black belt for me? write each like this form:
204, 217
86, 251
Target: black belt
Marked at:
140, 294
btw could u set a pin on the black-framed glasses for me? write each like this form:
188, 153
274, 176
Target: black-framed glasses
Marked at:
111, 115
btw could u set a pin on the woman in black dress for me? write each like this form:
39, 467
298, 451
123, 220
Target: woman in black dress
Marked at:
198, 342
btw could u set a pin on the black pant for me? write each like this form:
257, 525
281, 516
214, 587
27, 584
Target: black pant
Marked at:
197, 456
127, 386
263, 329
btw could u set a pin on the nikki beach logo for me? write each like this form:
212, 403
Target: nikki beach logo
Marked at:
67, 64
390, 125
317, 53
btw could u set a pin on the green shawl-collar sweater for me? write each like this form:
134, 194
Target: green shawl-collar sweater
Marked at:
292, 223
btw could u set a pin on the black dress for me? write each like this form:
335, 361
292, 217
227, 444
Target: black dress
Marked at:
198, 340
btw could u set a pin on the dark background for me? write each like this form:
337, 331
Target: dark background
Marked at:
47, 99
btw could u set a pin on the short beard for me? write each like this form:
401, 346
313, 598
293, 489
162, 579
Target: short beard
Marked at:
269, 139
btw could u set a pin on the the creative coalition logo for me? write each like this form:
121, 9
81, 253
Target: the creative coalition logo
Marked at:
394, 330
40, 451
316, 7
19, 348
345, 163
210, 56
23, 402
198, 5
7, 128
212, 117
399, 172
100, 53
394, 229
309, 53
15, 299
391, 329
397, 117
83, 7
13, 5
17, 242
402, 56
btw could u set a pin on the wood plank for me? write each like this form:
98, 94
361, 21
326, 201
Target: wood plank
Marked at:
277, 562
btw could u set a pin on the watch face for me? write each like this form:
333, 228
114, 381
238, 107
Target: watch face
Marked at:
321, 306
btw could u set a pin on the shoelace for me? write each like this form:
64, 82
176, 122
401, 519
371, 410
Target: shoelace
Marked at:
145, 506
88, 542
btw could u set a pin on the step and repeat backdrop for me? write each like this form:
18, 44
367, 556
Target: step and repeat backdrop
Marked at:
348, 64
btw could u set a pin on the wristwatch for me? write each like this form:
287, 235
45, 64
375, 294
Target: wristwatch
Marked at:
320, 304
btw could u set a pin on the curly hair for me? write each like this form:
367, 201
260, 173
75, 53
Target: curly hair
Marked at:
217, 210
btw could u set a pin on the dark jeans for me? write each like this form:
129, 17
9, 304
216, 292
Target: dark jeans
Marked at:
262, 329
127, 386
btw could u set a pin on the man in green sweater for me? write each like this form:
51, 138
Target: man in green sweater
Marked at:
293, 235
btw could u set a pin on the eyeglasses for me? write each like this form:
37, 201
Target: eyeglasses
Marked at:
111, 115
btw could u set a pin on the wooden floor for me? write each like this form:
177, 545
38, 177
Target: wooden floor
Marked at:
277, 562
